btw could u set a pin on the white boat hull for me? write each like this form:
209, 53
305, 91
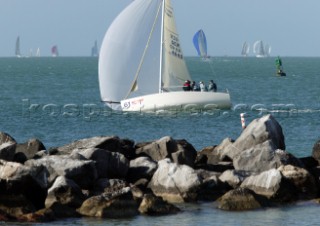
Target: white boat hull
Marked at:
183, 101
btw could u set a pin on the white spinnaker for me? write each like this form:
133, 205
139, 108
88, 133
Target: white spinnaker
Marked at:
122, 49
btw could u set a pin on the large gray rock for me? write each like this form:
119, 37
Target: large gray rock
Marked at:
110, 143
271, 184
15, 205
30, 148
263, 157
304, 182
180, 151
118, 204
153, 205
234, 177
82, 173
241, 199
65, 192
108, 164
175, 183
141, 167
28, 183
7, 151
257, 132
5, 138
211, 187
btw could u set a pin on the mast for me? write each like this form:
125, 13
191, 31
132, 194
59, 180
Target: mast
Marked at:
161, 45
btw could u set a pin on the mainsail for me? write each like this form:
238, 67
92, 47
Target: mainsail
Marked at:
245, 49
200, 43
94, 49
54, 51
174, 71
17, 49
141, 52
38, 54
261, 49
267, 49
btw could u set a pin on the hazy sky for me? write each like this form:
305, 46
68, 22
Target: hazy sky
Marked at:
291, 27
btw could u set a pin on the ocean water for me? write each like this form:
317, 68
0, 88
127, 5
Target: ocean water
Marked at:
57, 101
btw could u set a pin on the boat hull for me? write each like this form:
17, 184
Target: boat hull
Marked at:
183, 101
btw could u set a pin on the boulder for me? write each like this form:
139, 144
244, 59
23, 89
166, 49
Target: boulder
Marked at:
211, 187
108, 164
262, 157
23, 183
110, 143
15, 205
30, 148
6, 138
175, 183
119, 204
65, 192
257, 132
185, 153
273, 185
141, 167
241, 199
304, 182
81, 172
234, 178
7, 151
156, 206
180, 151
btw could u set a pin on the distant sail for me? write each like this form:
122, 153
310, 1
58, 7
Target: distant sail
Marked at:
200, 43
267, 49
245, 49
17, 50
94, 50
54, 51
38, 52
261, 50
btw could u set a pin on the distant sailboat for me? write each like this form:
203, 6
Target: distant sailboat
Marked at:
54, 51
200, 43
245, 49
38, 52
261, 50
267, 49
94, 50
17, 50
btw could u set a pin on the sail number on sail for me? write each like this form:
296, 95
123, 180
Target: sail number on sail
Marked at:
175, 46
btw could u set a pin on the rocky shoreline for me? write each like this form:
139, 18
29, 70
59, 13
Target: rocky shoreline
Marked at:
110, 177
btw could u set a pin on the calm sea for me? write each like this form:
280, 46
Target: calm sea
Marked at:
57, 101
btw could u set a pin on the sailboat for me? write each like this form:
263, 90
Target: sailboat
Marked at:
38, 54
54, 51
245, 49
94, 50
141, 64
261, 50
200, 43
17, 49
267, 49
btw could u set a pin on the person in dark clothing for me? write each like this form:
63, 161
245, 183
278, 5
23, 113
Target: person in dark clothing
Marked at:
212, 87
187, 86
